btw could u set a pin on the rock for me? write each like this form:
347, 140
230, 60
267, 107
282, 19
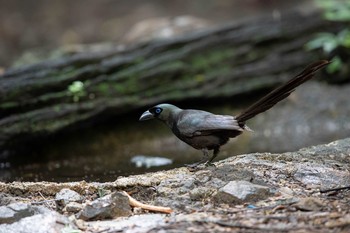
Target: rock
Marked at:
174, 192
136, 223
200, 193
14, 212
286, 191
309, 204
73, 207
241, 191
343, 222
6, 199
328, 167
110, 206
67, 195
41, 223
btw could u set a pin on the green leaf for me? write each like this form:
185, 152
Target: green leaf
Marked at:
329, 46
335, 10
344, 38
76, 86
325, 40
335, 65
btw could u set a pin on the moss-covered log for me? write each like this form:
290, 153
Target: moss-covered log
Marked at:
225, 61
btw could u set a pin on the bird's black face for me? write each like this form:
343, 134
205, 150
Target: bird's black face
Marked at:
156, 111
151, 113
163, 112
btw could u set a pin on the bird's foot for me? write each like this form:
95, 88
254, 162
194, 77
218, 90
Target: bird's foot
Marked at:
194, 166
209, 164
199, 165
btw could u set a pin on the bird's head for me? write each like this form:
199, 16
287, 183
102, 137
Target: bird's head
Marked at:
163, 112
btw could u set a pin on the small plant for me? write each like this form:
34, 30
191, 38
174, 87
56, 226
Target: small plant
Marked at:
76, 90
335, 10
330, 42
101, 192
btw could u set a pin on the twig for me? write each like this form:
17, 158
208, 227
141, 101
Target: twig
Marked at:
45, 201
333, 189
134, 203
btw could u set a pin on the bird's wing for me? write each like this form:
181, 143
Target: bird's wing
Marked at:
194, 122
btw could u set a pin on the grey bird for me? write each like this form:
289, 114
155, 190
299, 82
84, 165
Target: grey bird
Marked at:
207, 131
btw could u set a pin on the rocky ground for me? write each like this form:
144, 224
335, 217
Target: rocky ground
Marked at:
302, 191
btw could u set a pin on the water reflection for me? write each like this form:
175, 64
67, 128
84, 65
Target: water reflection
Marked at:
150, 161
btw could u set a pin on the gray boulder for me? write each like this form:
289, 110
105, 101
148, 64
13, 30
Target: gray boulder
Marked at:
110, 206
241, 191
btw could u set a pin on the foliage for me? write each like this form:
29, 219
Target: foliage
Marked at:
76, 90
335, 10
101, 192
329, 42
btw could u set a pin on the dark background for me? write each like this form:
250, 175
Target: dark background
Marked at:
48, 24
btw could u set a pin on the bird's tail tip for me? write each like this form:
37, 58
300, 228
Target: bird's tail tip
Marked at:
246, 127
318, 64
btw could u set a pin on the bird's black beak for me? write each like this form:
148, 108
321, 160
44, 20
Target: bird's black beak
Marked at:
146, 116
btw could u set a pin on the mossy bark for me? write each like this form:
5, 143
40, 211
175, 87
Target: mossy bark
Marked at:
225, 61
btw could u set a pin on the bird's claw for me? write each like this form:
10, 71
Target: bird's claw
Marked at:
209, 164
196, 166
192, 165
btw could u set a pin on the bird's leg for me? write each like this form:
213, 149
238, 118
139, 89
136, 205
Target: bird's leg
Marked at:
203, 160
215, 153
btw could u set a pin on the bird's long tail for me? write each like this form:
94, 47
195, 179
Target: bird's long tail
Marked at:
280, 92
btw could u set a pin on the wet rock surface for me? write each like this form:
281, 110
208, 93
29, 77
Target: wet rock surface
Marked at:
289, 192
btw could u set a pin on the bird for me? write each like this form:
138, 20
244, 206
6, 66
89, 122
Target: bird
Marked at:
206, 131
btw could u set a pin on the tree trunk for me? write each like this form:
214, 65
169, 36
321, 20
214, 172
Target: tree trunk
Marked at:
230, 60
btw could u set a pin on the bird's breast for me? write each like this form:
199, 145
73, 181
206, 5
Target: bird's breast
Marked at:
201, 141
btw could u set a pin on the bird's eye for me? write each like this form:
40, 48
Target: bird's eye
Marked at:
158, 110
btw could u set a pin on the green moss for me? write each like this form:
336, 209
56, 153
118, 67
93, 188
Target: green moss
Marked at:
139, 60
52, 96
209, 59
64, 74
8, 105
103, 88
118, 87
